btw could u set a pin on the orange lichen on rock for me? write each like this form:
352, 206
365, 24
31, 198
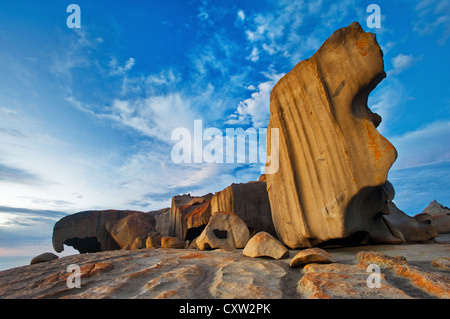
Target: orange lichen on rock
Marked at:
432, 283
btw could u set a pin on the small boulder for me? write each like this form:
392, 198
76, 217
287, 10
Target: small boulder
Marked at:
225, 230
126, 230
311, 255
172, 242
153, 240
264, 244
42, 258
138, 243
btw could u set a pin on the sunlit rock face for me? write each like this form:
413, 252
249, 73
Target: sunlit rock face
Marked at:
331, 185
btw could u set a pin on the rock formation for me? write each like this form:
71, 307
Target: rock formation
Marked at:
42, 258
185, 273
225, 230
264, 244
162, 218
309, 256
250, 202
86, 231
333, 163
172, 242
126, 230
412, 229
189, 215
438, 215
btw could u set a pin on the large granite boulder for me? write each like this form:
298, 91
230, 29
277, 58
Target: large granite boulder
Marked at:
333, 163
225, 230
162, 218
250, 202
412, 229
264, 244
86, 231
189, 215
126, 230
438, 215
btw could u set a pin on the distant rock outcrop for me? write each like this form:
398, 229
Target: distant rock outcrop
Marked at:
86, 231
250, 202
412, 229
333, 163
438, 215
189, 215
42, 258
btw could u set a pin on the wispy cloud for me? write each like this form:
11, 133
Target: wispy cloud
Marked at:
116, 69
402, 62
433, 17
426, 145
11, 174
255, 110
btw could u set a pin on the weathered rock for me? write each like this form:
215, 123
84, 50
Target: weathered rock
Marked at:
194, 274
440, 217
264, 244
443, 239
441, 262
126, 230
224, 230
250, 202
42, 258
162, 219
86, 231
343, 281
153, 240
309, 256
189, 215
138, 243
412, 229
434, 284
247, 280
333, 163
172, 242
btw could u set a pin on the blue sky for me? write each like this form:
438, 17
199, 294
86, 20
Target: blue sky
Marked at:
86, 114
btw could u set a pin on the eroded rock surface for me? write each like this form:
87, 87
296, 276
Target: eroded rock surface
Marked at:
333, 163
189, 215
264, 244
412, 229
225, 230
309, 256
193, 274
250, 202
130, 228
86, 231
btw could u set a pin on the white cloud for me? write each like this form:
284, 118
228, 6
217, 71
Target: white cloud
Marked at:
116, 69
402, 62
433, 16
241, 15
385, 99
256, 109
254, 56
424, 146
